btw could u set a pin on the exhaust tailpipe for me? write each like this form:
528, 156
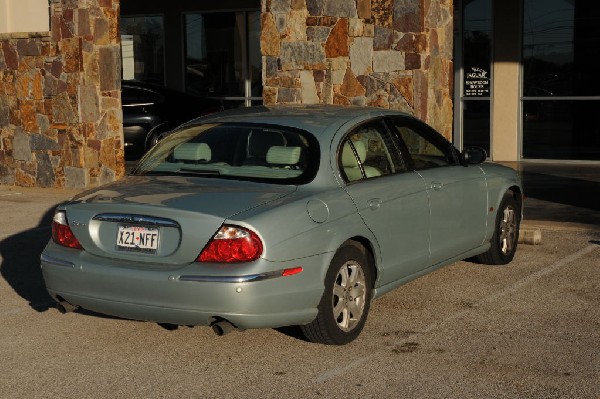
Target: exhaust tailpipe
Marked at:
65, 307
222, 327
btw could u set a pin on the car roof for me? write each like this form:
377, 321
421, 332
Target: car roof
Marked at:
314, 118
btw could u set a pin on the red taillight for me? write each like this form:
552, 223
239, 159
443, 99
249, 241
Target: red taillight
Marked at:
61, 232
232, 244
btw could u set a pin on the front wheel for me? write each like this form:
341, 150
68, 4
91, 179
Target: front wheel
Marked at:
506, 233
345, 303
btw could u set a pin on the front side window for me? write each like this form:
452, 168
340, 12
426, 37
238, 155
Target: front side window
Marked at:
368, 151
265, 153
427, 149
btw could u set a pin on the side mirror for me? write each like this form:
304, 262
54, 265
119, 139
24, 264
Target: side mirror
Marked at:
473, 156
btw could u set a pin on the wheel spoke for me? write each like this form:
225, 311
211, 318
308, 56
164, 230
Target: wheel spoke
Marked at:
345, 319
355, 308
345, 277
338, 309
338, 291
507, 233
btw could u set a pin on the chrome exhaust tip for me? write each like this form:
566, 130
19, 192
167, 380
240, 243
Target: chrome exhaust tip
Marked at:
222, 327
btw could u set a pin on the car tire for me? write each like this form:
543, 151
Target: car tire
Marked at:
506, 233
346, 300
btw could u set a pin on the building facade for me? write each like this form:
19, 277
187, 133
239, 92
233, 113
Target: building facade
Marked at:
515, 77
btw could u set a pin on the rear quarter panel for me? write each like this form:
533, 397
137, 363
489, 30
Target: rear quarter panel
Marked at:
289, 233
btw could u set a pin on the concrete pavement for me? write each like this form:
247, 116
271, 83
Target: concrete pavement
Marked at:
530, 329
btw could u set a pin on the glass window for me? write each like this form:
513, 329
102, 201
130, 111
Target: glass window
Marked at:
255, 56
368, 152
476, 124
222, 56
213, 60
561, 91
142, 48
561, 48
427, 148
561, 130
266, 153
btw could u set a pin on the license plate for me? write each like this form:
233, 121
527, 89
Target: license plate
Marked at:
137, 238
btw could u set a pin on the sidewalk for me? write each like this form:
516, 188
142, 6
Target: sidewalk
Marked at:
561, 196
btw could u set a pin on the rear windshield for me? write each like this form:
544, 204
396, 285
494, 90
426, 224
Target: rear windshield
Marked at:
266, 153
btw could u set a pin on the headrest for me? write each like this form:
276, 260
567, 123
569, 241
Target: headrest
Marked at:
192, 152
348, 158
259, 142
279, 155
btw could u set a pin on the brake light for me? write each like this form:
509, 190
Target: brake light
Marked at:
61, 232
232, 244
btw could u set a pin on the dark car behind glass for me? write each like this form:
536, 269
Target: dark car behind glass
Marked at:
151, 110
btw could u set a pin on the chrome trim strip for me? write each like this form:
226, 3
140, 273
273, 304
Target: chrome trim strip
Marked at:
137, 219
249, 278
55, 262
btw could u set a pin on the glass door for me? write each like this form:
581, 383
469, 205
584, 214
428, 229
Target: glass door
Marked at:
475, 76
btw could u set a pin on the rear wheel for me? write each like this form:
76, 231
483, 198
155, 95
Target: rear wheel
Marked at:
345, 303
506, 233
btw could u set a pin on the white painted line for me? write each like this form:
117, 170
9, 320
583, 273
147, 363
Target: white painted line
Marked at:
336, 372
8, 194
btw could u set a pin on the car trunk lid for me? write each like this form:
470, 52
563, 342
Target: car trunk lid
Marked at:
166, 219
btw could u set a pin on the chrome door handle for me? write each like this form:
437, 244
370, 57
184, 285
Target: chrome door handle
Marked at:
374, 203
436, 185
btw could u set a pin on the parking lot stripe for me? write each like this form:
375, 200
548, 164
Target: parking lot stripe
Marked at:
338, 371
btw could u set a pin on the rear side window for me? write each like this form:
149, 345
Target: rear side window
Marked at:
369, 151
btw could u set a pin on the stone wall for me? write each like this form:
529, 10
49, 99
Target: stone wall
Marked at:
60, 105
386, 53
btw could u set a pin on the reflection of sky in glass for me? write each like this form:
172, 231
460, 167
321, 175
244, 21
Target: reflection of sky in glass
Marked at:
477, 16
196, 39
548, 30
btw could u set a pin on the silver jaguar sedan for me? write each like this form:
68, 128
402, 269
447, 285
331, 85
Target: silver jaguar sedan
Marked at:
280, 216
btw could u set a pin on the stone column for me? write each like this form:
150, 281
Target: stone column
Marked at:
385, 53
60, 104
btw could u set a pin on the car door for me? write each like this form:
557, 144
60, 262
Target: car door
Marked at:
391, 200
457, 194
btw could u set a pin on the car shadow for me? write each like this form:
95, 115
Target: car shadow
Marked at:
21, 263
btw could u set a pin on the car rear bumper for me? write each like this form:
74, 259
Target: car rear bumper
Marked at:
185, 296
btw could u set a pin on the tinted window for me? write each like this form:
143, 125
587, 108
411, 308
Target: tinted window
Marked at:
560, 48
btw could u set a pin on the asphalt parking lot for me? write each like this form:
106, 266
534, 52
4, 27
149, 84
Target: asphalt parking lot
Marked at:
527, 330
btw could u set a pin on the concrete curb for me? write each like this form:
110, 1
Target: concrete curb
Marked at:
559, 226
530, 232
